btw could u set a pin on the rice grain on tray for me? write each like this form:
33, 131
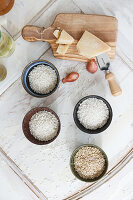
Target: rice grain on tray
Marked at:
93, 113
43, 125
89, 162
42, 79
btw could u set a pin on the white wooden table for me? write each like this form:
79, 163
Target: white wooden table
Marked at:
14, 102
119, 187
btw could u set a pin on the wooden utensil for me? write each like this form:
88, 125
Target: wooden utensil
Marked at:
114, 87
104, 27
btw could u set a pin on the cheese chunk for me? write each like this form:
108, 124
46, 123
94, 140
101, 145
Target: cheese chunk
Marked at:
90, 46
62, 49
65, 38
56, 33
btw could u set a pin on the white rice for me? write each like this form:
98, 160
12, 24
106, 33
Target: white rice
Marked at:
42, 79
93, 113
44, 125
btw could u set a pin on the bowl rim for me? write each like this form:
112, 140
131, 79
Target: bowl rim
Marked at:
76, 173
89, 131
32, 93
25, 125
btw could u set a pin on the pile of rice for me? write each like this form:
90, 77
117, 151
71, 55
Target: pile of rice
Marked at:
93, 113
42, 79
89, 162
43, 125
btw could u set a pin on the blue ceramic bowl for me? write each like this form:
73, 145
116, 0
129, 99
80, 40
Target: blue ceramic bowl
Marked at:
25, 79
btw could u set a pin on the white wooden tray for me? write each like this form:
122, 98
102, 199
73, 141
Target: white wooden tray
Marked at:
47, 167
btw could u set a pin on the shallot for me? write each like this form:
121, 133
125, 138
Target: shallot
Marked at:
73, 76
92, 66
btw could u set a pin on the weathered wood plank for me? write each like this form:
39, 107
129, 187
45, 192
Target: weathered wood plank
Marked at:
22, 12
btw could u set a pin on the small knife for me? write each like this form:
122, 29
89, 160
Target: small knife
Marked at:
103, 61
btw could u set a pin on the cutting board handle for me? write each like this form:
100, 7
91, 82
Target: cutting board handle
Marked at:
114, 87
35, 33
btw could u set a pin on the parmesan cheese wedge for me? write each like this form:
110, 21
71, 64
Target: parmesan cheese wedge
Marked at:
56, 33
65, 38
90, 46
62, 49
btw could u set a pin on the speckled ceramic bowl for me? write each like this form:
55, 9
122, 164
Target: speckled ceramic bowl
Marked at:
26, 130
25, 79
98, 130
76, 173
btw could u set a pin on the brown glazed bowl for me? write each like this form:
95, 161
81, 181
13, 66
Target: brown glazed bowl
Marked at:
26, 130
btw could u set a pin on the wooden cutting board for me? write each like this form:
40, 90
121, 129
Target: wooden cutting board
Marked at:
104, 27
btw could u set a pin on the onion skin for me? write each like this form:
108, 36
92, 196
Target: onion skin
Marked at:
92, 66
73, 76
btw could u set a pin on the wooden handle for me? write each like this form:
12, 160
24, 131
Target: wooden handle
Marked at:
114, 87
36, 33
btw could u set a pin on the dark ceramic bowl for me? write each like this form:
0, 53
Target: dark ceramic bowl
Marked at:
76, 173
25, 79
81, 127
26, 130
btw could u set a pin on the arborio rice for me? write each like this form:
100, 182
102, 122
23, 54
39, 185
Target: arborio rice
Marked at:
42, 79
89, 162
44, 125
93, 113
